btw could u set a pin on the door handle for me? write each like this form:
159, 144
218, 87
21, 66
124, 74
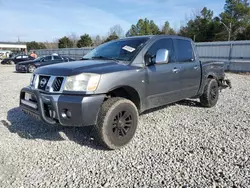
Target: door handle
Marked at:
196, 67
176, 70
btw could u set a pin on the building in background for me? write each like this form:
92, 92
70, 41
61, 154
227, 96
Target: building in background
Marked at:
6, 48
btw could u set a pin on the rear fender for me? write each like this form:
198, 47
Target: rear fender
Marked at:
204, 82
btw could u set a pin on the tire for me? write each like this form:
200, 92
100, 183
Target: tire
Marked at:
31, 68
211, 94
116, 123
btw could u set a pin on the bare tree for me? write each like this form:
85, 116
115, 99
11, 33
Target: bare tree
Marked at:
51, 45
74, 38
117, 29
97, 40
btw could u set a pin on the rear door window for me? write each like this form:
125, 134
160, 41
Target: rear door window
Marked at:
47, 58
184, 50
57, 58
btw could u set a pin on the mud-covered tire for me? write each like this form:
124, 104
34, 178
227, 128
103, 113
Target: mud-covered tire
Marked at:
210, 95
116, 123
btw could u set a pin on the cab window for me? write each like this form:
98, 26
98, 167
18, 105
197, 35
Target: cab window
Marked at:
166, 43
185, 50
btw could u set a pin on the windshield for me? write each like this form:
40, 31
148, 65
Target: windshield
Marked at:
124, 49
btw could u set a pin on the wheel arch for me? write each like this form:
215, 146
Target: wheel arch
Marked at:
211, 76
127, 92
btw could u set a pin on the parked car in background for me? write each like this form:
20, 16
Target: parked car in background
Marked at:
30, 66
4, 54
16, 59
1, 55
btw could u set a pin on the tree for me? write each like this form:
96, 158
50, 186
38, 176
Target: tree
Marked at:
154, 29
33, 45
42, 45
245, 34
232, 24
51, 45
97, 40
202, 28
118, 30
113, 36
85, 41
74, 38
167, 30
65, 42
235, 18
144, 27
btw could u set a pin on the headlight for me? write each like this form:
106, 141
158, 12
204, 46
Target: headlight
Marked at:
32, 80
82, 82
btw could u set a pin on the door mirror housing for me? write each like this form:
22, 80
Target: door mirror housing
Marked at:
162, 56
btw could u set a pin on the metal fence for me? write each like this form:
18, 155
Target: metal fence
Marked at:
76, 53
235, 54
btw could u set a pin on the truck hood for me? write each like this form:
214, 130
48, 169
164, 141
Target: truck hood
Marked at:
85, 66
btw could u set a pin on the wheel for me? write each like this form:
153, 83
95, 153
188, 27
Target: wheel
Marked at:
31, 68
117, 123
211, 94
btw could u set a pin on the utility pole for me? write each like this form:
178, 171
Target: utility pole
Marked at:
229, 29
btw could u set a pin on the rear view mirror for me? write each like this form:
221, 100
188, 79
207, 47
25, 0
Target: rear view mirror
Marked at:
162, 56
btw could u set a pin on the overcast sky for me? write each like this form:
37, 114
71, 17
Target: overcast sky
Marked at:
45, 20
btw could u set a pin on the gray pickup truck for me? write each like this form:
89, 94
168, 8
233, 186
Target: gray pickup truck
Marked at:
117, 81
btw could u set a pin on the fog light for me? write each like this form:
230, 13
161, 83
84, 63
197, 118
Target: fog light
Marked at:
66, 114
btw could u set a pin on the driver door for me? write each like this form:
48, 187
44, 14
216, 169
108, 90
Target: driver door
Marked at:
56, 59
163, 80
46, 60
18, 59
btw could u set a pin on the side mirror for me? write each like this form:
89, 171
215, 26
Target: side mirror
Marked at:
162, 56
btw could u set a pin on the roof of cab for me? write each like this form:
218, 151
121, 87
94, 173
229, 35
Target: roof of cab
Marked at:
158, 36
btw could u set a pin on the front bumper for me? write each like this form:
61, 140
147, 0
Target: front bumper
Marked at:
20, 68
66, 110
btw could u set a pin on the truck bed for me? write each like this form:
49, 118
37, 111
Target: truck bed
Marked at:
214, 68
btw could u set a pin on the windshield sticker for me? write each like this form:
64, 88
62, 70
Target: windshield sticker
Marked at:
128, 48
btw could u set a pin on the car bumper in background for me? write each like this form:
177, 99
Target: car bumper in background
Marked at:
66, 110
21, 68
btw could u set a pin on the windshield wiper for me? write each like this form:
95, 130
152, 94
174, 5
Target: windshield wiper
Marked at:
103, 57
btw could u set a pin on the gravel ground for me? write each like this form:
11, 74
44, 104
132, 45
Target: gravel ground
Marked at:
181, 145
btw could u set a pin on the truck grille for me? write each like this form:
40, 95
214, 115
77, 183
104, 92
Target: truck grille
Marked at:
47, 83
43, 81
57, 83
